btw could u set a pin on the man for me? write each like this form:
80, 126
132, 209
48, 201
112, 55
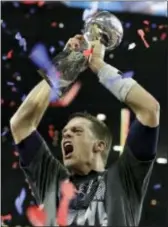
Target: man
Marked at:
111, 197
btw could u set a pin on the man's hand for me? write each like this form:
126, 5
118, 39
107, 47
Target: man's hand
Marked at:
74, 43
96, 60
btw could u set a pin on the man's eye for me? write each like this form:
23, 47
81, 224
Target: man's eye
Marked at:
78, 130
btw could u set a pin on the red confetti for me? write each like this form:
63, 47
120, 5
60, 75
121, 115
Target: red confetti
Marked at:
146, 22
36, 216
163, 36
51, 133
15, 165
68, 97
7, 217
51, 127
142, 35
9, 54
88, 52
29, 2
16, 153
53, 24
68, 192
62, 213
40, 3
161, 26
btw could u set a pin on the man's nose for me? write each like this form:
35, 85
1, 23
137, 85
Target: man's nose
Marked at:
68, 134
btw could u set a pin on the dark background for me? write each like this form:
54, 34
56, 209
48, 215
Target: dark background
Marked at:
42, 23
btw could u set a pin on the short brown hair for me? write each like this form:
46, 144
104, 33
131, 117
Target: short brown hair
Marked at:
100, 129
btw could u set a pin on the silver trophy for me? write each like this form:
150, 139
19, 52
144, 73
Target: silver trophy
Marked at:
103, 26
106, 27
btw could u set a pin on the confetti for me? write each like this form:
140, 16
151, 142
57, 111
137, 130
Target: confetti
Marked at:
68, 191
163, 36
153, 25
15, 165
51, 133
128, 74
131, 46
128, 25
61, 43
10, 83
157, 186
52, 49
23, 97
4, 57
5, 131
68, 97
32, 10
53, 24
142, 35
111, 56
29, 2
88, 52
40, 3
61, 25
16, 4
7, 217
40, 57
146, 22
154, 39
10, 54
19, 201
22, 41
36, 216
3, 24
16, 153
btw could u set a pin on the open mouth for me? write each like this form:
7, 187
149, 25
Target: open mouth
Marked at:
68, 149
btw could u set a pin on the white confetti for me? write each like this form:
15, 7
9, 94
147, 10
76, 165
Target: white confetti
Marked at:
131, 46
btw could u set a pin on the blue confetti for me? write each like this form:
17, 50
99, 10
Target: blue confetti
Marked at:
157, 186
41, 59
52, 49
10, 83
61, 43
23, 98
19, 201
5, 132
3, 24
16, 4
128, 25
22, 41
128, 74
153, 25
32, 10
4, 57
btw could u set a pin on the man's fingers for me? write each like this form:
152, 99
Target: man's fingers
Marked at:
73, 43
80, 37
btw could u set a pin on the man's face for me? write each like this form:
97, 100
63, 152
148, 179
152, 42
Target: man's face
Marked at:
78, 143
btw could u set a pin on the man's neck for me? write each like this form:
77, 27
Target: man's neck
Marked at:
85, 171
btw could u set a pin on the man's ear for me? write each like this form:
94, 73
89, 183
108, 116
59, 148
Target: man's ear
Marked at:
99, 146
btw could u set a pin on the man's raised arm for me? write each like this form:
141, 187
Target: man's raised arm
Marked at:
127, 90
29, 114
